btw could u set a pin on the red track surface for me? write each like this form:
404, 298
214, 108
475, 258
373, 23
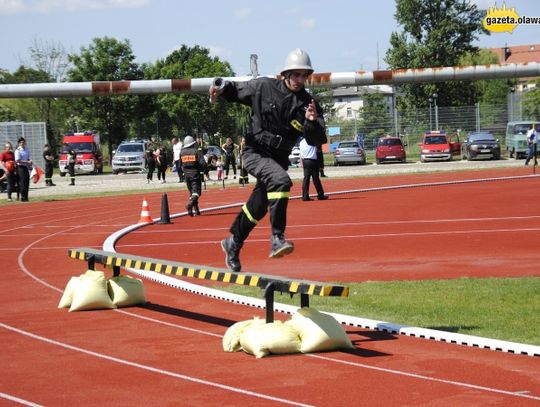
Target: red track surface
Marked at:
169, 352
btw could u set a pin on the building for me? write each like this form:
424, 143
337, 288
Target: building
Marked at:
348, 101
519, 54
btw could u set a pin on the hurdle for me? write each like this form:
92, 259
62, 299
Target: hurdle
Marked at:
268, 283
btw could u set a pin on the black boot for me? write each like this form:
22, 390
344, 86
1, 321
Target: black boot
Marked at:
197, 211
72, 181
232, 252
280, 247
189, 208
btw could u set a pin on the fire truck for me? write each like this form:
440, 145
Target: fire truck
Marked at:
87, 147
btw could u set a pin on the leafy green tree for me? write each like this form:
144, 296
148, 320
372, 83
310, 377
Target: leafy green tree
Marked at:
531, 102
375, 115
490, 92
191, 114
107, 59
435, 33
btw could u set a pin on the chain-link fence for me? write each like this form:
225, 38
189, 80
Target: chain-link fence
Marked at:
412, 123
34, 133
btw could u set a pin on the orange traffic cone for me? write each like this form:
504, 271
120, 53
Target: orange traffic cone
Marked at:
145, 213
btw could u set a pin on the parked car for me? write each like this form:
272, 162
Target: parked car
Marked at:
349, 152
481, 145
439, 146
129, 156
294, 157
390, 149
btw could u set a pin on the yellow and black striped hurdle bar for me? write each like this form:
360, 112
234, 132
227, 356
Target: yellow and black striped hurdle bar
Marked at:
268, 283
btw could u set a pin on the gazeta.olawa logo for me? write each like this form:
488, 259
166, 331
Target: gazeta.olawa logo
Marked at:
505, 19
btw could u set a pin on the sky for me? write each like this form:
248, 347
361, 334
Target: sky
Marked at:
347, 36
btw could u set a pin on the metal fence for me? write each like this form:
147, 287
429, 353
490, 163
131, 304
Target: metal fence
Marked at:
34, 133
411, 124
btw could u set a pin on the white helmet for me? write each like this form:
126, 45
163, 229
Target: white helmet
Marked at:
297, 59
189, 141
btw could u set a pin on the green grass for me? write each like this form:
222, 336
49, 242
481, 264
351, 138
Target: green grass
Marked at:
498, 308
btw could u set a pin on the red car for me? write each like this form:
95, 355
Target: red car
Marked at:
390, 149
439, 146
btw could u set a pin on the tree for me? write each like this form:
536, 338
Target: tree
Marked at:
531, 102
50, 61
189, 113
107, 59
493, 91
435, 33
375, 116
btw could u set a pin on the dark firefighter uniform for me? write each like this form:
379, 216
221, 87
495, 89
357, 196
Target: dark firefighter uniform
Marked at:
71, 157
193, 165
49, 158
243, 179
277, 121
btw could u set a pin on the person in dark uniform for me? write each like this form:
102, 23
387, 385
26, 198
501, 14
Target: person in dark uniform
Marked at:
49, 158
150, 162
161, 163
201, 146
71, 157
193, 165
24, 166
243, 178
281, 111
230, 159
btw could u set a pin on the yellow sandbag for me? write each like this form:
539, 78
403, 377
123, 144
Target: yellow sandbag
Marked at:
231, 339
318, 331
91, 292
126, 291
276, 338
67, 296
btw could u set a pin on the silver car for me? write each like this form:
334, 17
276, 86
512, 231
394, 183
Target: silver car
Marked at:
129, 156
349, 152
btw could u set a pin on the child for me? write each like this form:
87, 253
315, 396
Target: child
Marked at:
219, 169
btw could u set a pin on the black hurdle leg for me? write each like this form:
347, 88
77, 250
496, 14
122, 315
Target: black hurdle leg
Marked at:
91, 262
304, 300
115, 271
269, 297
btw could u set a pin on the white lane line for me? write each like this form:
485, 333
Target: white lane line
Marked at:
433, 379
357, 236
152, 369
18, 400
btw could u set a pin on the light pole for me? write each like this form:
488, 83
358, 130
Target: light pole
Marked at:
433, 99
430, 119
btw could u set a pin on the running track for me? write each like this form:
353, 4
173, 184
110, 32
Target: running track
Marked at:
169, 352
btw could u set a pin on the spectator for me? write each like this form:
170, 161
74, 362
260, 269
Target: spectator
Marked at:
230, 159
7, 157
310, 164
24, 166
177, 149
150, 162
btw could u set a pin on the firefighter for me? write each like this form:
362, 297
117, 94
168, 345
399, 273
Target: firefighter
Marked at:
193, 166
243, 179
71, 158
49, 158
281, 111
